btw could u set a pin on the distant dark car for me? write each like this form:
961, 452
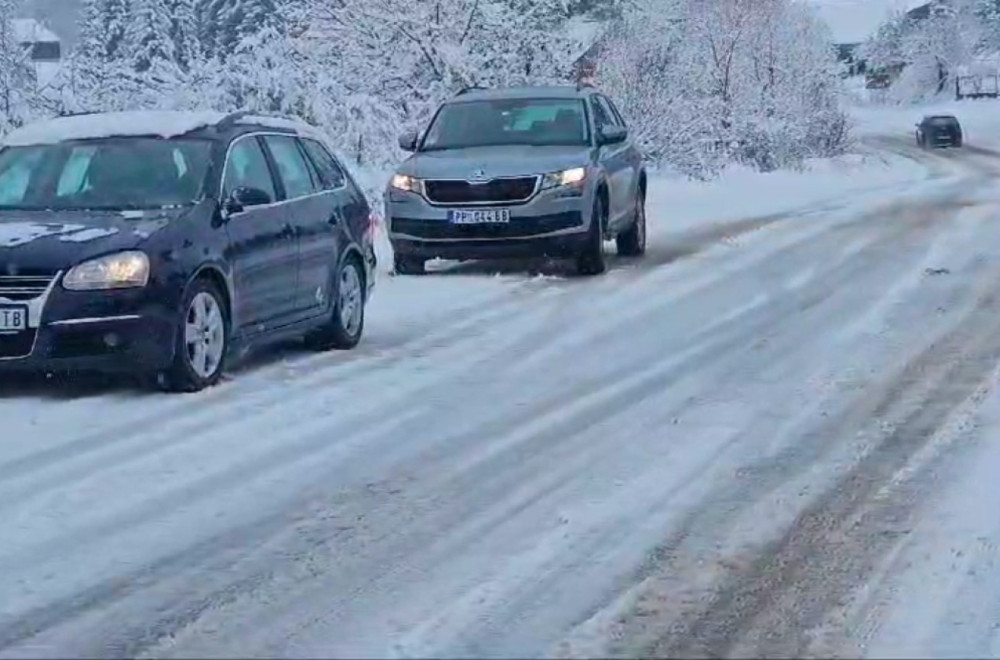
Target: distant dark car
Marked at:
159, 243
935, 131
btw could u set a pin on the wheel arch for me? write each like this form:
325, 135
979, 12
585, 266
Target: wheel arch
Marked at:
214, 274
353, 251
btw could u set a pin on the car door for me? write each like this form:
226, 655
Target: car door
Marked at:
615, 160
633, 152
311, 211
262, 247
346, 212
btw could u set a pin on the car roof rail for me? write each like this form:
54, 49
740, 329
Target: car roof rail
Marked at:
471, 88
234, 117
230, 120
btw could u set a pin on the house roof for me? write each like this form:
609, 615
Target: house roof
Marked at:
29, 30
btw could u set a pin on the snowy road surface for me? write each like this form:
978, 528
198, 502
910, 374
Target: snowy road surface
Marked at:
775, 435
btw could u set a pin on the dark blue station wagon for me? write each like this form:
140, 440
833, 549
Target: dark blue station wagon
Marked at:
163, 243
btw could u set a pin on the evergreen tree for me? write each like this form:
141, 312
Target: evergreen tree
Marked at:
17, 83
103, 28
183, 32
148, 36
222, 24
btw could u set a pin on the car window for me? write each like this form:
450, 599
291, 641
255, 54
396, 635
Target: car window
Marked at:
247, 168
618, 117
602, 116
496, 122
330, 171
74, 175
292, 167
16, 169
108, 173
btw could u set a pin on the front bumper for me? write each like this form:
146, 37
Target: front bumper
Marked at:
553, 223
111, 331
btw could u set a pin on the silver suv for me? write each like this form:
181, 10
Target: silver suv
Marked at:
519, 172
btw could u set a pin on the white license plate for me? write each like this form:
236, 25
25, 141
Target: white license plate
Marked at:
479, 217
13, 318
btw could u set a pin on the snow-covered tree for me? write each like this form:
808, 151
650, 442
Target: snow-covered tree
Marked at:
18, 87
148, 36
103, 29
183, 32
921, 53
708, 81
222, 24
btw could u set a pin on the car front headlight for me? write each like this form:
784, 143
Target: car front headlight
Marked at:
574, 177
407, 183
123, 270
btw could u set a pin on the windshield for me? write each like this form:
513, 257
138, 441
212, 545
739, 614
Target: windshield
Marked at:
540, 122
112, 173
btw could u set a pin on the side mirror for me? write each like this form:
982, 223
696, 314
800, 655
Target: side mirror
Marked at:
244, 197
612, 135
408, 141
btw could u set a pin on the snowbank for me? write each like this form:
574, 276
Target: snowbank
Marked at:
678, 204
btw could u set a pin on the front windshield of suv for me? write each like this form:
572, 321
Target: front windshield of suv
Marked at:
538, 122
111, 173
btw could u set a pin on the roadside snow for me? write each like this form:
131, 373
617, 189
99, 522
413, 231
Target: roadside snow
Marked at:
677, 204
160, 123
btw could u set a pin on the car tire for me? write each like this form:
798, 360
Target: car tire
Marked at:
202, 340
591, 260
407, 265
346, 324
632, 242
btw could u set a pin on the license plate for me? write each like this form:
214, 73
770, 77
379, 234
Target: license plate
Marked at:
13, 318
479, 217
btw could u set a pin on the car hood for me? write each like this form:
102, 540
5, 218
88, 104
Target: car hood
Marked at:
494, 162
48, 241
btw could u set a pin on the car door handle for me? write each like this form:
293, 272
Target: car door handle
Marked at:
288, 230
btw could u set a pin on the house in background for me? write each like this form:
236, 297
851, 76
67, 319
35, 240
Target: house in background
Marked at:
42, 45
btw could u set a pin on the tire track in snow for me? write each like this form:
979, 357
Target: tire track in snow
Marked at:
722, 616
770, 607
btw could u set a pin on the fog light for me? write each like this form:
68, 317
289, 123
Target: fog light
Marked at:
112, 340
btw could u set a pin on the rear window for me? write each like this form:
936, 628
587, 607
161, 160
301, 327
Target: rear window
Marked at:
112, 173
943, 121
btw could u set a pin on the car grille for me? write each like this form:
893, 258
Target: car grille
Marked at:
18, 344
497, 191
24, 287
516, 228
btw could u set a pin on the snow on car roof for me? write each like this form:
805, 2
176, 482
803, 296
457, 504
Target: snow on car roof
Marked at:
159, 123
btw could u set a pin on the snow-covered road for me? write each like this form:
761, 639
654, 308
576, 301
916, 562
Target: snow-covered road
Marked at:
773, 436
